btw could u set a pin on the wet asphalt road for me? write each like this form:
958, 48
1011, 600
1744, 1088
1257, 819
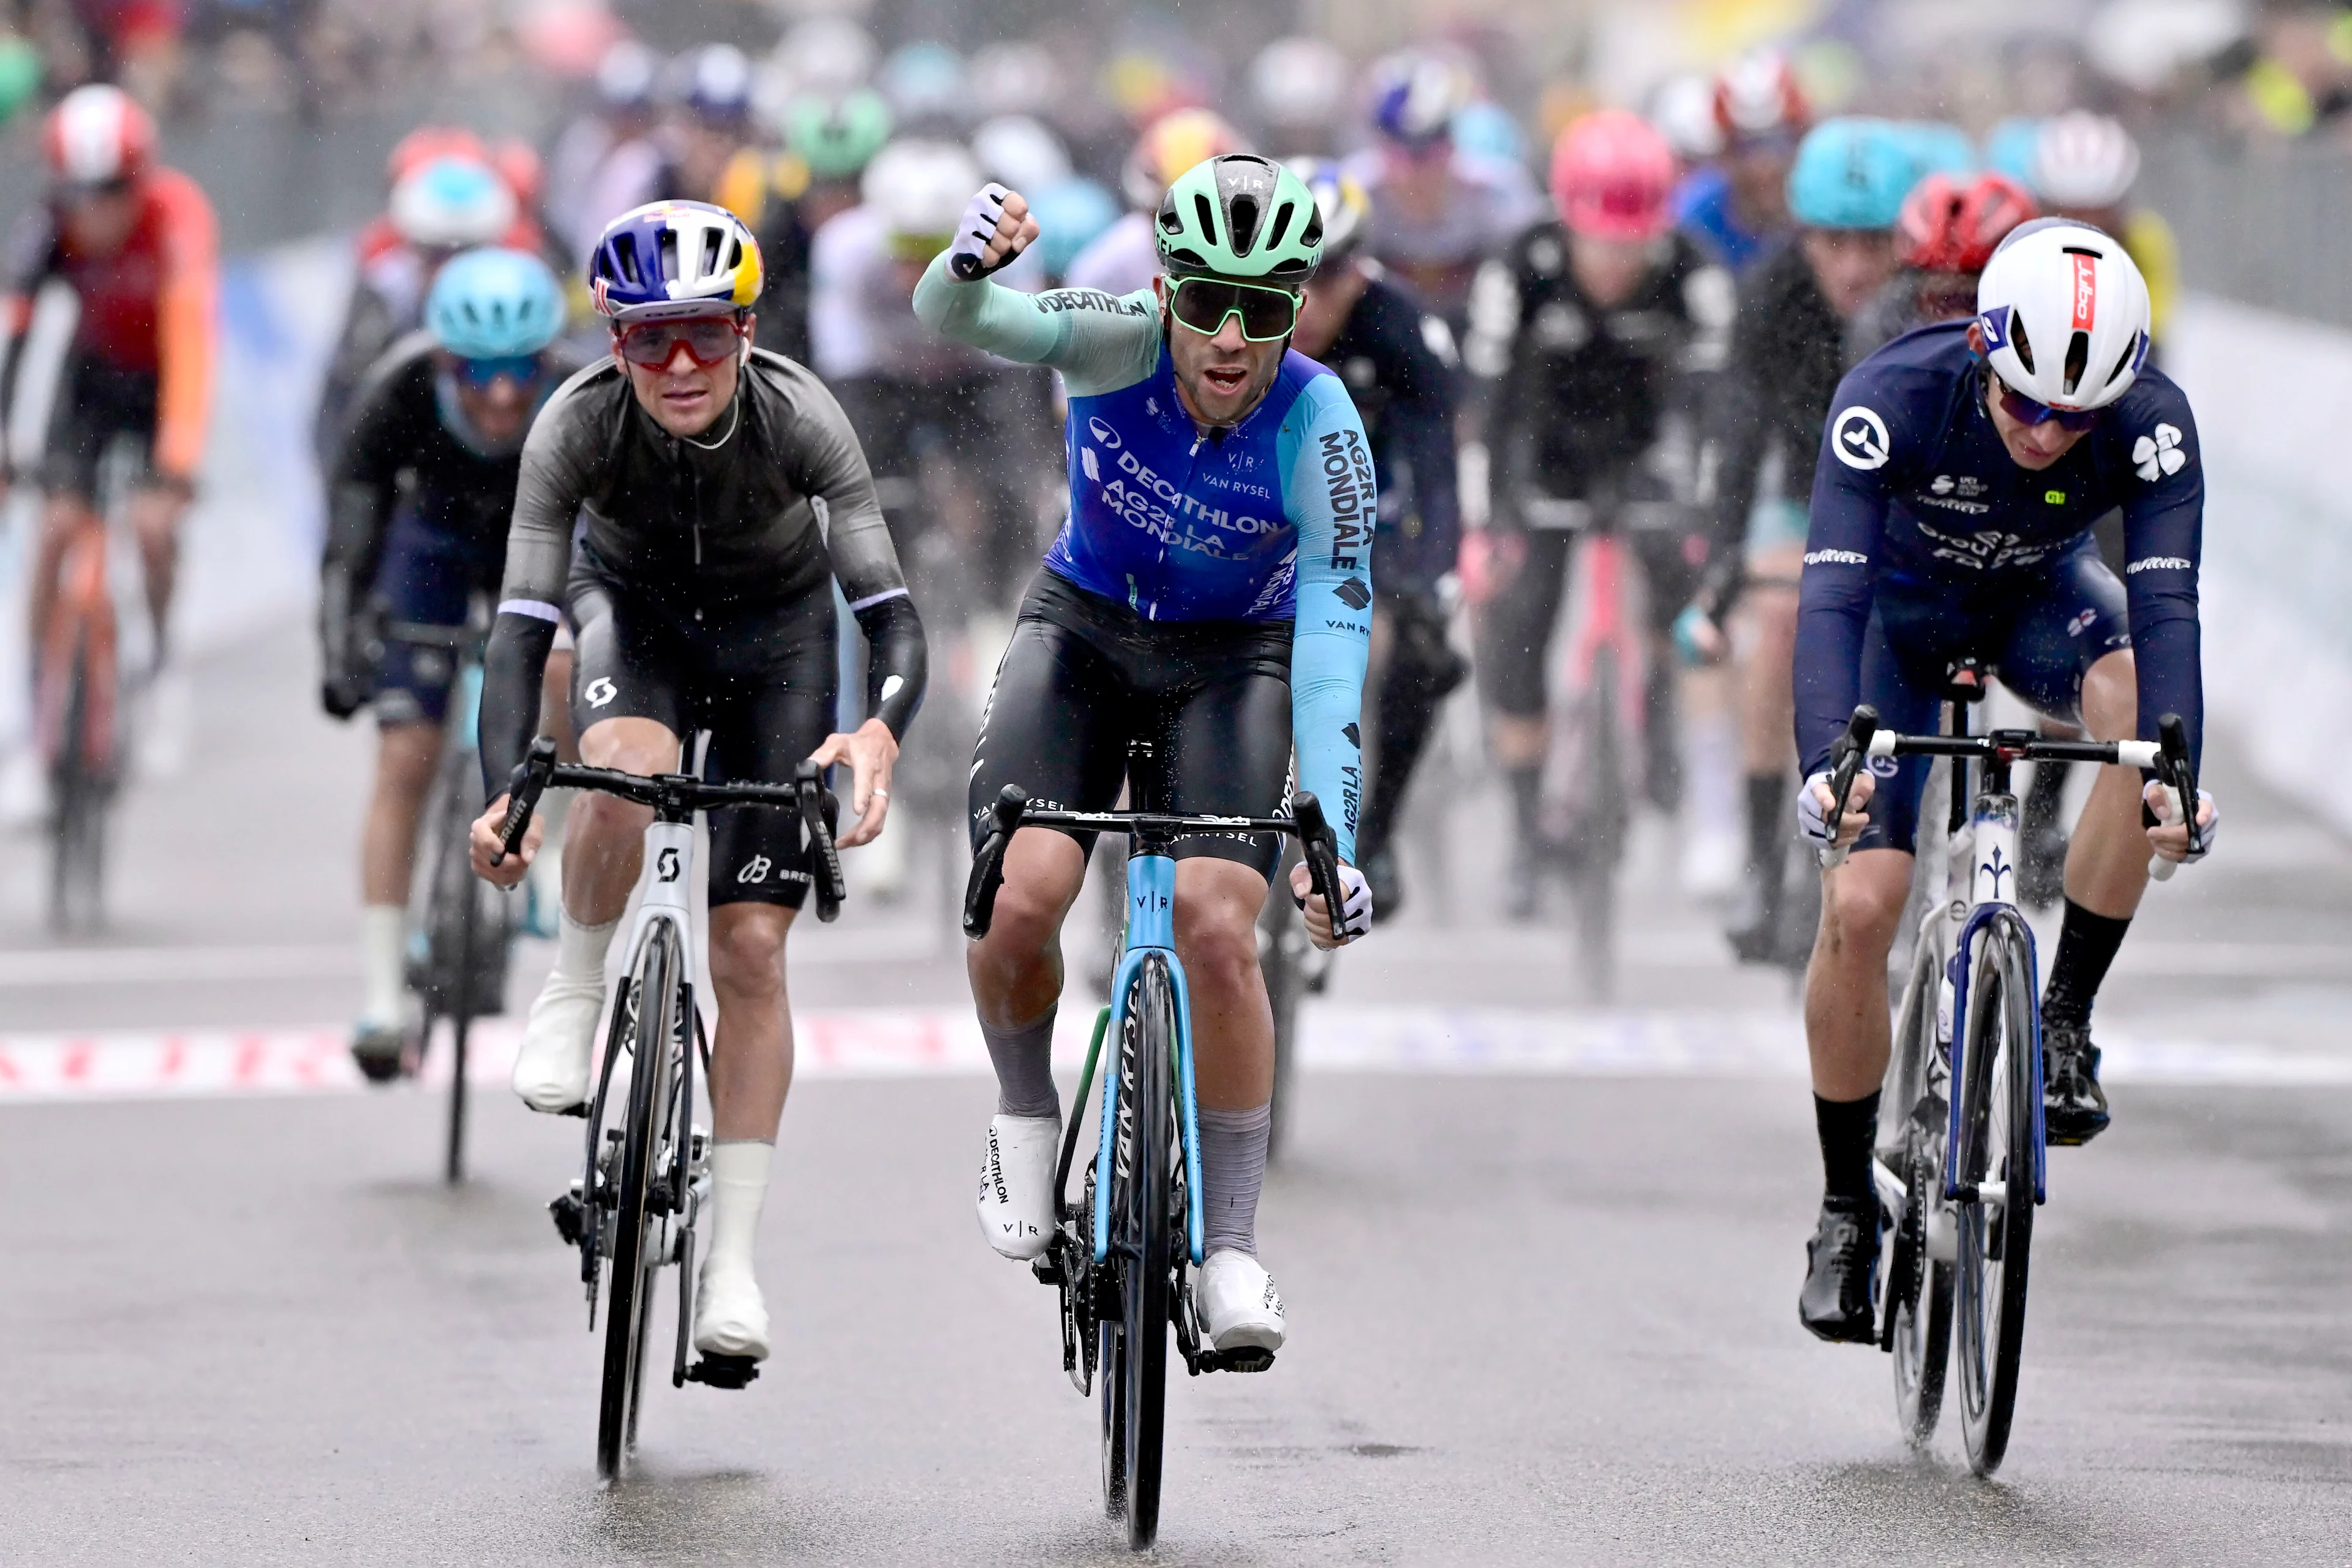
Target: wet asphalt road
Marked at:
1535, 1319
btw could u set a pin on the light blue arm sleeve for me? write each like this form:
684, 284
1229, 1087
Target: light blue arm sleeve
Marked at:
1330, 497
1098, 342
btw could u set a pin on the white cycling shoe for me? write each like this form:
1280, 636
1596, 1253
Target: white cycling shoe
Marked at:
1016, 1184
730, 1316
1236, 1303
551, 1071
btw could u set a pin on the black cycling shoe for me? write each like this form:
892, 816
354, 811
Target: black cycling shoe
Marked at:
1754, 928
1840, 1264
2073, 1106
1386, 880
381, 1052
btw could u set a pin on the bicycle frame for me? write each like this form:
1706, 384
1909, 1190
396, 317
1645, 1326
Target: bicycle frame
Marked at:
1152, 928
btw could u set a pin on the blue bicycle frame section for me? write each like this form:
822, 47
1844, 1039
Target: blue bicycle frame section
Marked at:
1150, 929
1981, 916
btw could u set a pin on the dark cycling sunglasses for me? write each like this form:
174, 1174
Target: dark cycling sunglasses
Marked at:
2025, 411
707, 339
1204, 303
479, 374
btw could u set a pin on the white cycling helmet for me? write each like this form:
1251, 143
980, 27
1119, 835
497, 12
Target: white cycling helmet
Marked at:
920, 187
2064, 314
452, 203
1021, 152
2084, 161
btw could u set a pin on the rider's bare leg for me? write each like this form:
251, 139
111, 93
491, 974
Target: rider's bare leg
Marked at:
1846, 1027
63, 519
154, 516
752, 1053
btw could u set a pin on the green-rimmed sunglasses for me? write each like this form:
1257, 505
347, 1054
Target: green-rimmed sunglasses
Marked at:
1204, 303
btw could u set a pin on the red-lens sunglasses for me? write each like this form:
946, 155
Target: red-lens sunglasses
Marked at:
707, 339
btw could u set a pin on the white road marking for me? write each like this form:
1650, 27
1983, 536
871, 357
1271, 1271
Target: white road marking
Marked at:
944, 1042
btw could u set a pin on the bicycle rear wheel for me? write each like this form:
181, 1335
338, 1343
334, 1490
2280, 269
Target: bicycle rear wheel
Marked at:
650, 1037
79, 783
1918, 1288
1142, 1254
2002, 1092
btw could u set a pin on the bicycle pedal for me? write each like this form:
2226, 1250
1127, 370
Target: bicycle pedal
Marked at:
569, 1215
1249, 1358
580, 1111
723, 1371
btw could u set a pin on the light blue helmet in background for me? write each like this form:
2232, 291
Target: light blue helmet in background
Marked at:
1486, 129
1853, 172
495, 303
1939, 148
2008, 148
1071, 215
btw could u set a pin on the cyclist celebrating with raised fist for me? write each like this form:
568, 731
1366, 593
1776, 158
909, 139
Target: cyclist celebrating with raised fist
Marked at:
1961, 470
1211, 592
721, 496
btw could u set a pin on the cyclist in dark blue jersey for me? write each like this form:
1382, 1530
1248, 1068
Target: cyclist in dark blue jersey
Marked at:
1211, 592
1961, 469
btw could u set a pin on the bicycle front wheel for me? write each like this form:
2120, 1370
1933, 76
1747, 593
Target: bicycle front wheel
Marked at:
1996, 1155
1918, 1288
1142, 1254
649, 1036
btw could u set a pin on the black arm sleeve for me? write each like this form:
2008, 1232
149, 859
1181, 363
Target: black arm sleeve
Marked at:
897, 661
511, 668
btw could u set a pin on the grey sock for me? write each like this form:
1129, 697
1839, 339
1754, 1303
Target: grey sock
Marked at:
1232, 1169
1024, 1068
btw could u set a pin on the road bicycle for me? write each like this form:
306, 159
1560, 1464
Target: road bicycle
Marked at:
1958, 1175
1121, 1257
80, 704
460, 930
634, 1208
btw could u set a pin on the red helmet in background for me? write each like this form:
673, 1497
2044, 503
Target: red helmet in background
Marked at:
1612, 176
518, 164
1758, 96
98, 135
1948, 226
430, 144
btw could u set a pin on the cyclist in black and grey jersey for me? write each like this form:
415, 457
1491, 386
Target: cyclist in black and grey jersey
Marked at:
721, 495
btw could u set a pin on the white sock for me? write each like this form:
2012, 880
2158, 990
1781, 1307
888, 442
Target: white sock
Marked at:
580, 952
382, 966
1232, 1169
738, 1186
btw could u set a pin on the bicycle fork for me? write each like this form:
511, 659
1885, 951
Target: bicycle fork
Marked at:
1151, 928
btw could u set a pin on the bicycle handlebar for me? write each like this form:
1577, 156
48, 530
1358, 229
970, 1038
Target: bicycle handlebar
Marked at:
1010, 812
682, 794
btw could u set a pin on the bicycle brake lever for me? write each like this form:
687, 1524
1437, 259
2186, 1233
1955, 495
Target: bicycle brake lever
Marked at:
527, 782
824, 862
1320, 846
1847, 758
988, 866
2179, 774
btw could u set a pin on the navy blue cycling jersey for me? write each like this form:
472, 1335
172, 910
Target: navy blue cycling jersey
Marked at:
1916, 498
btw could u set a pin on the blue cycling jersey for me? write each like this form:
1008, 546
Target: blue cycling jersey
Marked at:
1270, 518
1916, 499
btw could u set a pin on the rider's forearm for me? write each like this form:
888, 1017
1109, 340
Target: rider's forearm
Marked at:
511, 668
2163, 542
897, 662
1336, 500
1098, 342
1834, 596
355, 518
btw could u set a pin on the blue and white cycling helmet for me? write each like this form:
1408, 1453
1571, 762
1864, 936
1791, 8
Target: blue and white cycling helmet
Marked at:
1852, 172
666, 261
1416, 93
713, 83
495, 303
451, 203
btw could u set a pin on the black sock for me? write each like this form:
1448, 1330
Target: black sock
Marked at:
2047, 795
1847, 1128
2086, 946
1525, 786
1767, 832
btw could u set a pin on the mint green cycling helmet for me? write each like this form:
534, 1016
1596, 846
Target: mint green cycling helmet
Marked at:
1240, 216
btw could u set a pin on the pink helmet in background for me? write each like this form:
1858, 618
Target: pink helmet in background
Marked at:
1612, 176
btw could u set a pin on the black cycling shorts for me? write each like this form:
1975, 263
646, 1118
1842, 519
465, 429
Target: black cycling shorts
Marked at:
763, 682
94, 405
1082, 675
1516, 630
2040, 633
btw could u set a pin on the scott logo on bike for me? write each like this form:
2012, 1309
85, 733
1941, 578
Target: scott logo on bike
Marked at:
666, 865
600, 691
755, 871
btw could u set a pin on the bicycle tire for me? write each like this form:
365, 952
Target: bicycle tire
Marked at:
1919, 1286
629, 1281
1143, 1243
1598, 844
1997, 1123
77, 846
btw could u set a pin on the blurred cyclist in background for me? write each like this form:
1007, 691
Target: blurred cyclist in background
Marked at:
1298, 96
449, 202
139, 248
1437, 209
835, 136
1126, 258
1603, 319
418, 502
1400, 365
1944, 236
716, 160
2082, 168
1736, 206
609, 161
1788, 351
